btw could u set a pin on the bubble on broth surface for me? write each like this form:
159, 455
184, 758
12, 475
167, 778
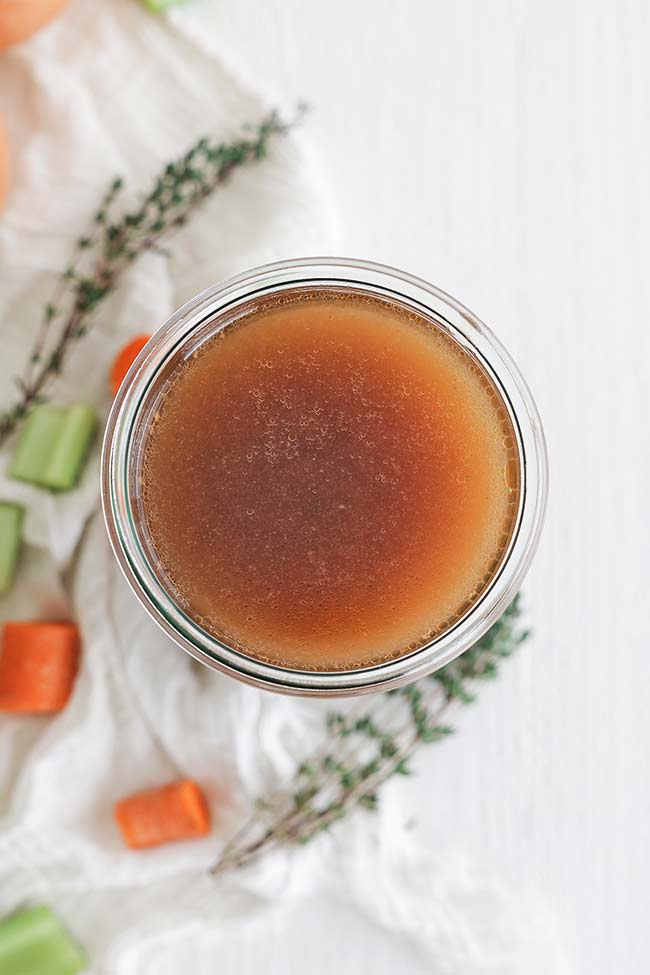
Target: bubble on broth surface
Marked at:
330, 482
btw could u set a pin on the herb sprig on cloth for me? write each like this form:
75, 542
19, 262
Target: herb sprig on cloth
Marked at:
116, 240
362, 748
365, 748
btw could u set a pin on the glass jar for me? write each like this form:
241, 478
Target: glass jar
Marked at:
196, 322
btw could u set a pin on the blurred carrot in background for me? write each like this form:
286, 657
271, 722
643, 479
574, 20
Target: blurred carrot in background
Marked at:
19, 19
38, 666
177, 811
125, 359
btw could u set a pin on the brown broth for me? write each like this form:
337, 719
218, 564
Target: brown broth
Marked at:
329, 482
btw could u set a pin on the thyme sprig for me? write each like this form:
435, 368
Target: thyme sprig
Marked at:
116, 240
365, 748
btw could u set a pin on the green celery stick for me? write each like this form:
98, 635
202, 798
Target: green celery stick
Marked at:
70, 448
32, 942
159, 5
11, 523
36, 444
53, 446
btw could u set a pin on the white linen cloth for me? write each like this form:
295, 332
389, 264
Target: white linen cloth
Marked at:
111, 89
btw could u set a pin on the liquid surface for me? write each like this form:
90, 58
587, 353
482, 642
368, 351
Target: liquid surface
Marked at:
329, 482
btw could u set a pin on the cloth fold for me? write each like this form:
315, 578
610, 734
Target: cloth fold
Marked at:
109, 89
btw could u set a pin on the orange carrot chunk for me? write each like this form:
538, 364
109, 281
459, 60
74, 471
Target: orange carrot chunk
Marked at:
125, 359
38, 665
177, 811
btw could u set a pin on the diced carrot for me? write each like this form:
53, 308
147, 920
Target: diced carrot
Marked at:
38, 666
177, 811
125, 359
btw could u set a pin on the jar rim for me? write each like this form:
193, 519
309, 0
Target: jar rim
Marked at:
383, 281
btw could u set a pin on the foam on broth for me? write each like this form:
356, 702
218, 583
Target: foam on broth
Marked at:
329, 482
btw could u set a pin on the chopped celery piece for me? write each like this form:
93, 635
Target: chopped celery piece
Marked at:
70, 448
32, 942
41, 429
159, 5
53, 446
11, 523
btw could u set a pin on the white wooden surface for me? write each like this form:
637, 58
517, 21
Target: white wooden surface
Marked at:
502, 150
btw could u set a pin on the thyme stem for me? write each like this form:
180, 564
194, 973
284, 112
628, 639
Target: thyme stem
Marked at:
100, 258
364, 749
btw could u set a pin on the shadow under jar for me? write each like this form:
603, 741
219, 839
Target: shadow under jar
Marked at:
324, 477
